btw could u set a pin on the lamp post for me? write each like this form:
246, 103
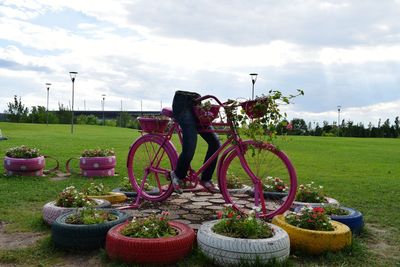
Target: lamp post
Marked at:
47, 110
253, 81
72, 74
338, 109
104, 98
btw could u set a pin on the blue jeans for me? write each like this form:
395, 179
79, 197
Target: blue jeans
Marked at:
182, 107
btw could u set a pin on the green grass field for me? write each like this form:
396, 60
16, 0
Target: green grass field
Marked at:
360, 173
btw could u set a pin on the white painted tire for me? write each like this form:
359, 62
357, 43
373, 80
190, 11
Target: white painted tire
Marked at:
227, 250
328, 201
50, 211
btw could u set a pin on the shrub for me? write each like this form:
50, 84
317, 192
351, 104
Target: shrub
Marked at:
310, 218
96, 190
90, 216
23, 152
310, 193
71, 197
150, 227
98, 152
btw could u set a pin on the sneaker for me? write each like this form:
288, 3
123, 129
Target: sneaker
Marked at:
176, 182
209, 186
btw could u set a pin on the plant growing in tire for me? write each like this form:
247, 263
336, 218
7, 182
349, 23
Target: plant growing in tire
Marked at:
68, 200
24, 161
97, 162
151, 240
312, 195
99, 191
313, 232
85, 229
348, 216
236, 238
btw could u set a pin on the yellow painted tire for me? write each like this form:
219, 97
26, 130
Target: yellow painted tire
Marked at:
113, 197
315, 242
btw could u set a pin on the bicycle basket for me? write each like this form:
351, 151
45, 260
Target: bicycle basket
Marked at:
255, 108
153, 125
206, 116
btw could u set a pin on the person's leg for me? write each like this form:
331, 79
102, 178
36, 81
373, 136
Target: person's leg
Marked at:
189, 133
213, 145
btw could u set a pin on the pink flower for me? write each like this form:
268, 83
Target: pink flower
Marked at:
289, 126
219, 214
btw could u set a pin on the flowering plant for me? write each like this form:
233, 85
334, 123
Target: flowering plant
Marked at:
150, 227
310, 218
23, 152
90, 216
310, 193
96, 190
276, 184
335, 210
236, 225
71, 197
98, 152
233, 181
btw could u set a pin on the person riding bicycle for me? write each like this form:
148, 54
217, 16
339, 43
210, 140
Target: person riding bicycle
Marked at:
182, 107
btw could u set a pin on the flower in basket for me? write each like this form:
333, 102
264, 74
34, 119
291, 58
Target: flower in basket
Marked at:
276, 184
310, 218
71, 197
151, 227
96, 190
237, 225
23, 152
91, 216
98, 152
233, 182
310, 193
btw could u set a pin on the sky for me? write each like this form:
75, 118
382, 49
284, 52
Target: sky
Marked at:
138, 53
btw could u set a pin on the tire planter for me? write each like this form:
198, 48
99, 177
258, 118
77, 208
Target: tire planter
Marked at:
316, 242
127, 193
328, 201
227, 250
167, 250
50, 211
24, 167
112, 197
97, 166
83, 237
354, 220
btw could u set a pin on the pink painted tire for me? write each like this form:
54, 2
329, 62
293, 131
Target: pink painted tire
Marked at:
97, 163
24, 165
50, 211
167, 250
27, 173
98, 173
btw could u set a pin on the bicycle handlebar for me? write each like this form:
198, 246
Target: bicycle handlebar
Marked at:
206, 97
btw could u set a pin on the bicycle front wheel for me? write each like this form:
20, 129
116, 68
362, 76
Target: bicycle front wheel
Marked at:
150, 160
249, 182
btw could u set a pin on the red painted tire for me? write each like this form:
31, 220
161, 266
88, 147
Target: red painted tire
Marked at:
24, 165
98, 173
167, 250
97, 163
27, 173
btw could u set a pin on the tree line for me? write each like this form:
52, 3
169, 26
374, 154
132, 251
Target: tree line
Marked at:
17, 112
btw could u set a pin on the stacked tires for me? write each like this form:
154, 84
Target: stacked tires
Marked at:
24, 167
97, 166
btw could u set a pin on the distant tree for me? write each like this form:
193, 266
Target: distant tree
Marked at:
397, 126
16, 111
123, 119
299, 127
64, 114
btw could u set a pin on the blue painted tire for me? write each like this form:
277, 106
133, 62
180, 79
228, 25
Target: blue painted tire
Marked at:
80, 236
354, 220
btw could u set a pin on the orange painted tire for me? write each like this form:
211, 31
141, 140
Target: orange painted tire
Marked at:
112, 197
315, 242
168, 250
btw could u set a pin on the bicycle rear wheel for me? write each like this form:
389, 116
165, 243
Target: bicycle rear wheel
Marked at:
150, 160
263, 160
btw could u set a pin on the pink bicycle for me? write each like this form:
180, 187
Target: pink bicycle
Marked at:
246, 163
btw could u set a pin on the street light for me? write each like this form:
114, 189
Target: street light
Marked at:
338, 109
72, 74
104, 98
47, 111
253, 80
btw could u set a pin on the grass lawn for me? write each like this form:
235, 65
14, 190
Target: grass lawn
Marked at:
360, 173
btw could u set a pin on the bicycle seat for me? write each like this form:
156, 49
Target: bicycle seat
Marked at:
167, 112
